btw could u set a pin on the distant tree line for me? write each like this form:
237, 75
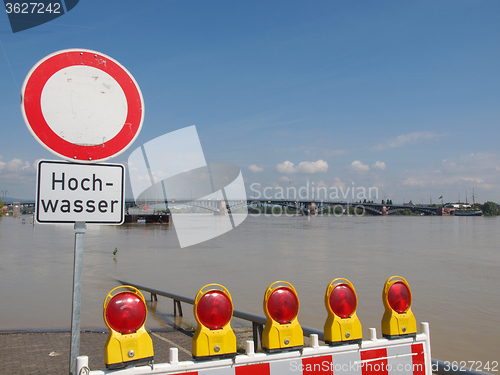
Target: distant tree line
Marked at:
490, 208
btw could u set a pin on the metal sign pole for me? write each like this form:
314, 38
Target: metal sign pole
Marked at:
77, 296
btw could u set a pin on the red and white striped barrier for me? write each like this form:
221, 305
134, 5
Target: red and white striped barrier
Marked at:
406, 356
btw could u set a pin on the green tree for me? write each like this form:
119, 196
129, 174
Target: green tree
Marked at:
1, 205
490, 208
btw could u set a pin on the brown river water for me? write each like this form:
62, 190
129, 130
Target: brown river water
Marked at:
452, 265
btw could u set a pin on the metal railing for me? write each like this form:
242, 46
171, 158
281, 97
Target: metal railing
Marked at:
258, 321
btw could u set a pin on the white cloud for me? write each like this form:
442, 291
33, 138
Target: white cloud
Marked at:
379, 165
287, 167
456, 175
306, 167
17, 167
284, 178
357, 166
484, 162
412, 181
319, 166
18, 177
254, 168
338, 183
406, 139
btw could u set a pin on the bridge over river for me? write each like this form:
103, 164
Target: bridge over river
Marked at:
304, 207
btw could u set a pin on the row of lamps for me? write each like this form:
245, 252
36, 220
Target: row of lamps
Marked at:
129, 344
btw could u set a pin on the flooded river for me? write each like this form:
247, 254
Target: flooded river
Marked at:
451, 263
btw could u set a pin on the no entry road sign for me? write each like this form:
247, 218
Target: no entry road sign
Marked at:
70, 192
82, 105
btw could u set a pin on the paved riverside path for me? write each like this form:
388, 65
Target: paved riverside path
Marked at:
47, 353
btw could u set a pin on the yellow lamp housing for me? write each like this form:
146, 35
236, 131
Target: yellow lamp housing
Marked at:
128, 342
213, 338
342, 326
398, 320
282, 331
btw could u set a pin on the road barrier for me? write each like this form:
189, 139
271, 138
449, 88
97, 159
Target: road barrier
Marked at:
392, 354
374, 356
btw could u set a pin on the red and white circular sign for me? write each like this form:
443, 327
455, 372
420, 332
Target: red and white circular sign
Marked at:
82, 105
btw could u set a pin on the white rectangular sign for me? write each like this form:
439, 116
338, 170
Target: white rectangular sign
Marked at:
70, 192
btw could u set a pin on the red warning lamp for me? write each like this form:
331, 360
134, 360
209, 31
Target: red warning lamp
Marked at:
343, 301
282, 331
283, 305
128, 342
213, 309
342, 326
125, 313
399, 297
398, 319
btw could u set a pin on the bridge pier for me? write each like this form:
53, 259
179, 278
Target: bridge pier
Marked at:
221, 205
442, 212
384, 211
16, 209
310, 209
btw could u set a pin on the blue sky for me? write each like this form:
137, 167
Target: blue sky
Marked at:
402, 96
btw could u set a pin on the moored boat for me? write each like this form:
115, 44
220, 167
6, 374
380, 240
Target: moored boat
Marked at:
468, 213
